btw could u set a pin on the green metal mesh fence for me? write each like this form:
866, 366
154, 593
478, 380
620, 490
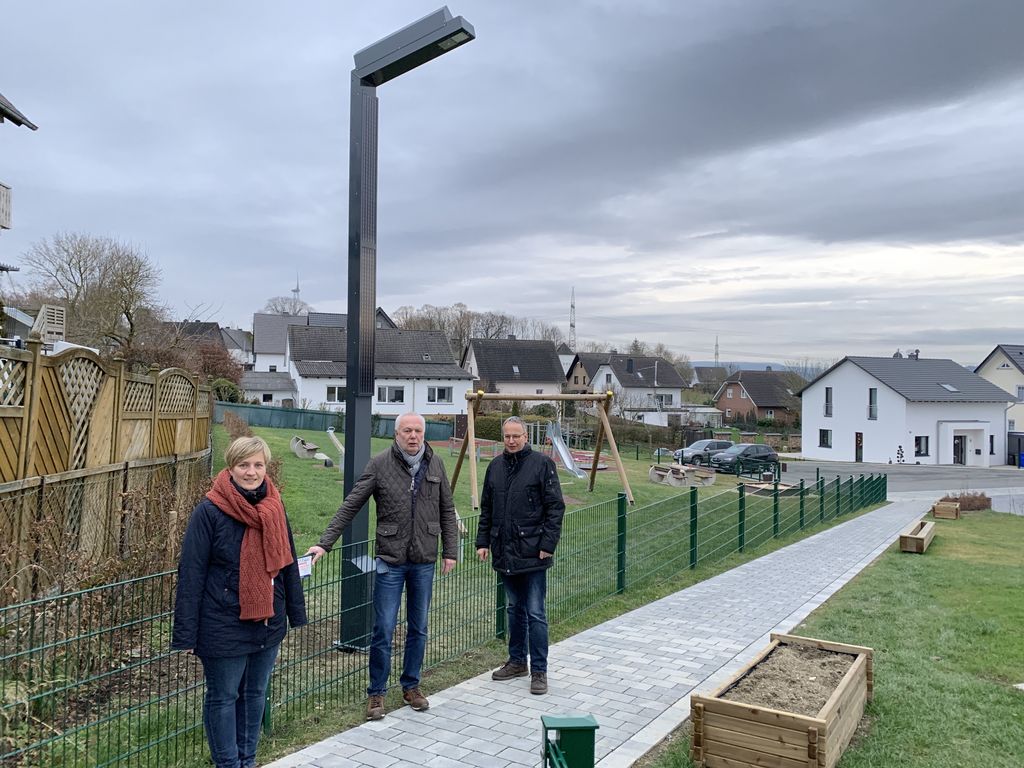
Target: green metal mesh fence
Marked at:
88, 679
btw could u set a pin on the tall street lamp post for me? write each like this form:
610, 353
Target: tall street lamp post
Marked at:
418, 43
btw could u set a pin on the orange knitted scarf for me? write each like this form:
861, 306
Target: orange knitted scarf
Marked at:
265, 545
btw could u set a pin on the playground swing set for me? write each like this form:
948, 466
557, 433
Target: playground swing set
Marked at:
554, 434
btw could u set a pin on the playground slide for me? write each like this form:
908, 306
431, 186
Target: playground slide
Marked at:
554, 434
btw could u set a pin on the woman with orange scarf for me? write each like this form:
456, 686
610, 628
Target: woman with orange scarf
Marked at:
238, 589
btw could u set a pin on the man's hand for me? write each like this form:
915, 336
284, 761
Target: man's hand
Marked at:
544, 555
316, 552
482, 553
447, 566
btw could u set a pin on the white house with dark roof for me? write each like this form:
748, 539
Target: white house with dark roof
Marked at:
413, 370
881, 409
269, 388
270, 334
647, 389
1004, 367
514, 366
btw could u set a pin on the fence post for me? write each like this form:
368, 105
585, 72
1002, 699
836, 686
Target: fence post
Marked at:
30, 417
802, 494
742, 518
154, 371
775, 509
693, 527
620, 570
817, 474
500, 610
860, 491
839, 495
821, 500
268, 722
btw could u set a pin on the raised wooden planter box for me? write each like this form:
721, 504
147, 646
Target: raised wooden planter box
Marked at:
731, 734
946, 510
917, 537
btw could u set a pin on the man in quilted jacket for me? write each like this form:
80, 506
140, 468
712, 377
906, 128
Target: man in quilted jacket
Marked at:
414, 507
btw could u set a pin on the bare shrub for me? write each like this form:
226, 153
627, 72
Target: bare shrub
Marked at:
970, 501
236, 426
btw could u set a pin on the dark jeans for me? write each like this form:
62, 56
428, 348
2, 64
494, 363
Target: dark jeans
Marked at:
236, 688
417, 579
527, 619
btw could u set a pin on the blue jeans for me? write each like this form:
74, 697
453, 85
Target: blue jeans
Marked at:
417, 579
236, 688
527, 620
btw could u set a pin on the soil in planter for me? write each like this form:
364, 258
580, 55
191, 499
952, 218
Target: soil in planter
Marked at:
792, 678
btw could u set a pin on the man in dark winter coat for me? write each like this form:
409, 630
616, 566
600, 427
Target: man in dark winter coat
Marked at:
414, 507
521, 512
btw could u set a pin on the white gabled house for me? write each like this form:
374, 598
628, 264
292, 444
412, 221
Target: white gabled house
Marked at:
909, 410
647, 389
413, 371
1004, 367
514, 366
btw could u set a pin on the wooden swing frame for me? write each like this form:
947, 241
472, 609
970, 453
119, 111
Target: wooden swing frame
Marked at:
604, 430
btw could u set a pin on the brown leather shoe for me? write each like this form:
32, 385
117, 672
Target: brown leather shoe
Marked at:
509, 670
538, 683
375, 707
414, 698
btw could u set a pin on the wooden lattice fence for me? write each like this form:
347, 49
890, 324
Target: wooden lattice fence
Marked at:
76, 433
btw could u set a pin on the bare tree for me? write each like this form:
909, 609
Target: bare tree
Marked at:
810, 368
287, 305
108, 288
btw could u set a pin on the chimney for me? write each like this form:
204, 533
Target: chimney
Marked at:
511, 337
768, 369
629, 365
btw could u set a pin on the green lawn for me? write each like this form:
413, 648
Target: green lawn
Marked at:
948, 632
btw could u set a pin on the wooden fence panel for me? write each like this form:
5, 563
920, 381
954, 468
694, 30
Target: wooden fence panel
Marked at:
10, 438
51, 444
102, 425
135, 438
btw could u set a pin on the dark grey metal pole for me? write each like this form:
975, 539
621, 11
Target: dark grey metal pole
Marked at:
357, 573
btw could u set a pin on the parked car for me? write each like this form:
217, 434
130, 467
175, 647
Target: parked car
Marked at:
743, 454
701, 451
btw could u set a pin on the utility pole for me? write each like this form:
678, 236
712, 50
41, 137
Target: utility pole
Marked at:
572, 320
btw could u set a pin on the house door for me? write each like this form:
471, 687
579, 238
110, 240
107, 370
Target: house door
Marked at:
959, 449
858, 446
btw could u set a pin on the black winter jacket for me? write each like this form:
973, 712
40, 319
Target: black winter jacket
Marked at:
206, 609
410, 516
521, 511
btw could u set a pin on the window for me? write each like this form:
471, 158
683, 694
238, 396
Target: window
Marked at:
948, 387
1011, 425
1004, 367
921, 445
607, 378
390, 394
728, 413
575, 379
273, 369
769, 414
991, 445
1020, 393
540, 391
828, 401
515, 370
824, 438
439, 394
743, 394
872, 403
584, 378
268, 397
426, 357
663, 400
335, 394
728, 393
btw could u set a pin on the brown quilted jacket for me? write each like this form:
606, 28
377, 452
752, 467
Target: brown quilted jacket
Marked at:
404, 533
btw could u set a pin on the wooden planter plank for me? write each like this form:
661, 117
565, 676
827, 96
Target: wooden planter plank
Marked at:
917, 537
946, 510
731, 734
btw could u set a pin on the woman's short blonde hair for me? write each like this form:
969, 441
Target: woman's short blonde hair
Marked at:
244, 447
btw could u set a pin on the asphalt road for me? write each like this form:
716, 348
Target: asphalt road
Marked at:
905, 480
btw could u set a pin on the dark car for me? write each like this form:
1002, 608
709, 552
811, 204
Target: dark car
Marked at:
701, 451
746, 454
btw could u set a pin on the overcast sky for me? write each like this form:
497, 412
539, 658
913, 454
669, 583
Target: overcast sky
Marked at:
797, 178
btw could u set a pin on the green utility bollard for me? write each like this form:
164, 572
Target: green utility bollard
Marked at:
573, 745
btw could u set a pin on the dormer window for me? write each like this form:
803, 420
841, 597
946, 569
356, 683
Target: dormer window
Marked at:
948, 387
515, 370
426, 357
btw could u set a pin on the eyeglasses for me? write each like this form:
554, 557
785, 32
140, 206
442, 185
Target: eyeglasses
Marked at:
515, 437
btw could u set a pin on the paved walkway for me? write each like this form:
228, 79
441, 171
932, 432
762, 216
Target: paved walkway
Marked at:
634, 673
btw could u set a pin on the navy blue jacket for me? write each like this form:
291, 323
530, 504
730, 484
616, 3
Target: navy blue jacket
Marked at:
521, 511
206, 609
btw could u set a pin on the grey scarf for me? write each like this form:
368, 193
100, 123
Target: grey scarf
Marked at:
414, 460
